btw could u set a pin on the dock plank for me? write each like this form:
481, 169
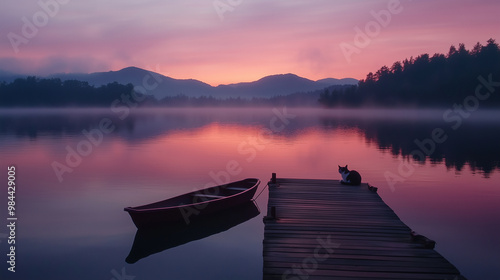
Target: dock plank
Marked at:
325, 230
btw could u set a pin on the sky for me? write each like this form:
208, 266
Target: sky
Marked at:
229, 41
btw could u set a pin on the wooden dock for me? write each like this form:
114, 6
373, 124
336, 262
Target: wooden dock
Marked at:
321, 229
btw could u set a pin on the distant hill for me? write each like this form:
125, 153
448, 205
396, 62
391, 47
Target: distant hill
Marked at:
274, 85
338, 82
266, 87
166, 86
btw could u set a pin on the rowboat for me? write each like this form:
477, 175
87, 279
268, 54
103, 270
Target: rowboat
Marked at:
194, 205
149, 241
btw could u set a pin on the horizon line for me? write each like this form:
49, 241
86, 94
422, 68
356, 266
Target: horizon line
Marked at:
160, 73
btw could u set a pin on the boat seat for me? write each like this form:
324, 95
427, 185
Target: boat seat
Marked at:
207, 195
236, 189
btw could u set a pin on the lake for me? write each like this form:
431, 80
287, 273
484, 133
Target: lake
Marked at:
76, 169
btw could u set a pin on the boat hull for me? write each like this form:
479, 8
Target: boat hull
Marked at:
195, 205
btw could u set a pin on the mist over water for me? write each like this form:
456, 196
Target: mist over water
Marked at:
451, 194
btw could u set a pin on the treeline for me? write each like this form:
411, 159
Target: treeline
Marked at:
39, 92
36, 92
426, 81
295, 99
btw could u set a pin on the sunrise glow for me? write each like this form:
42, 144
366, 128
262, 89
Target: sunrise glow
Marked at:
222, 42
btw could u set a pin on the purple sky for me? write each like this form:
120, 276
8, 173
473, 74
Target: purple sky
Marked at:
225, 41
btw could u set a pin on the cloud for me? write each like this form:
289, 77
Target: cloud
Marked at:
316, 60
53, 64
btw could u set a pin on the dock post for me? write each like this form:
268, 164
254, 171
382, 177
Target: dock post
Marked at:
372, 188
273, 183
271, 213
271, 210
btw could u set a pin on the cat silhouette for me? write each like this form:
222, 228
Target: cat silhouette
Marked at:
349, 177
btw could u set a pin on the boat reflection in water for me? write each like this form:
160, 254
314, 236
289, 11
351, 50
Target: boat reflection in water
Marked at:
150, 241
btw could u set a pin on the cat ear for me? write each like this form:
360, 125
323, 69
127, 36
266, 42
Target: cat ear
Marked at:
339, 166
346, 166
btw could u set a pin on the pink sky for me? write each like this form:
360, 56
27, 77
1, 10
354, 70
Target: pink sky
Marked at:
249, 40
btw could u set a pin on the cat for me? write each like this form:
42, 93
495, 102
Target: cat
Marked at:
349, 177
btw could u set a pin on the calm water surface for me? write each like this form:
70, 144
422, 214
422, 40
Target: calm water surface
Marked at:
71, 223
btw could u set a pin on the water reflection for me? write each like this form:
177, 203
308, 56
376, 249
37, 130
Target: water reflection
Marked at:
474, 143
406, 133
163, 153
154, 240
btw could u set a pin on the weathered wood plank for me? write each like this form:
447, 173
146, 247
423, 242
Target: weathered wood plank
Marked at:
326, 230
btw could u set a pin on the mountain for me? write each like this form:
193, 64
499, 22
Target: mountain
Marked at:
338, 82
162, 86
274, 85
155, 84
